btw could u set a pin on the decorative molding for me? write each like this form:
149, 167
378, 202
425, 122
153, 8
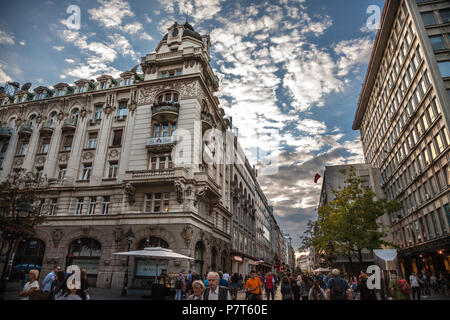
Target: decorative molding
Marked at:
187, 234
88, 156
114, 153
187, 89
179, 191
129, 192
57, 235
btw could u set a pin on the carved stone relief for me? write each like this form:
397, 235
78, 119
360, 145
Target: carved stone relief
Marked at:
187, 89
88, 156
57, 235
129, 191
187, 234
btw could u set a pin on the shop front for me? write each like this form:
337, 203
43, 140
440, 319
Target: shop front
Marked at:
29, 255
237, 264
85, 253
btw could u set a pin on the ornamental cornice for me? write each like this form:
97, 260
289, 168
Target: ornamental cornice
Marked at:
186, 88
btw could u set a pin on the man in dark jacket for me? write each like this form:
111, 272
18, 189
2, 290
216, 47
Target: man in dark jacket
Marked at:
214, 291
364, 292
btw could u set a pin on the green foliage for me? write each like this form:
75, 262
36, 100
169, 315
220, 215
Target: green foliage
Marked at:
351, 221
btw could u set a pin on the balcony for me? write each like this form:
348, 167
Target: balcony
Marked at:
161, 144
69, 125
47, 126
207, 121
157, 176
5, 132
26, 129
166, 111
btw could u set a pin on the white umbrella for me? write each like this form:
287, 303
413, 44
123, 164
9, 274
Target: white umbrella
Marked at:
156, 253
322, 270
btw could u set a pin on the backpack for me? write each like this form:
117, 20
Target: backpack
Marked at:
338, 290
269, 283
179, 284
406, 289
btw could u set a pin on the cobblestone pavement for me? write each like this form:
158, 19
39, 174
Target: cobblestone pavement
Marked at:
134, 294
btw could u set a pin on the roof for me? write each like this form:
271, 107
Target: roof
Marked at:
188, 32
386, 22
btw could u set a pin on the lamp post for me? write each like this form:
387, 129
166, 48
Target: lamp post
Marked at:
130, 237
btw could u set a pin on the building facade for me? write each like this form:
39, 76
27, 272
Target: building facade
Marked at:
333, 178
403, 115
133, 152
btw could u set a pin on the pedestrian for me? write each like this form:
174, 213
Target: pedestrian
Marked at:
443, 283
434, 284
84, 285
354, 282
57, 288
316, 292
234, 284
414, 284
426, 283
305, 286
48, 280
253, 287
71, 292
198, 287
269, 286
215, 292
31, 286
338, 288
295, 287
227, 277
179, 286
222, 281
400, 289
364, 292
286, 288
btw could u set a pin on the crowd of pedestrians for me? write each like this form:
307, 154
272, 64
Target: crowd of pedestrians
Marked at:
55, 286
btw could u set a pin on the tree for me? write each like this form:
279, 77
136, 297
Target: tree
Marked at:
20, 212
350, 223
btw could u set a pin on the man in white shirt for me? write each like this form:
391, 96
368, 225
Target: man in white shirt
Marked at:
215, 292
414, 283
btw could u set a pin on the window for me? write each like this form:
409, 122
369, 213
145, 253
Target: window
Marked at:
168, 97
117, 138
67, 143
81, 89
92, 205
52, 209
62, 172
156, 202
113, 166
444, 67
170, 73
40, 172
122, 112
126, 82
44, 146
40, 95
92, 140
23, 149
86, 172
98, 112
428, 18
445, 15
79, 206
104, 85
105, 205
437, 42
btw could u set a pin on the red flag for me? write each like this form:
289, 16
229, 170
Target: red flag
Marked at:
317, 177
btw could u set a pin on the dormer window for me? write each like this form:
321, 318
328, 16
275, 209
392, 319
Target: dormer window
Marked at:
40, 95
104, 85
81, 89
126, 82
59, 93
23, 99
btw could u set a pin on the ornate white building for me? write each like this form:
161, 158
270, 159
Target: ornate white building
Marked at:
114, 162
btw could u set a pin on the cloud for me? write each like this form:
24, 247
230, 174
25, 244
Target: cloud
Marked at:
58, 48
22, 43
146, 36
132, 28
6, 38
111, 13
3, 76
69, 60
353, 53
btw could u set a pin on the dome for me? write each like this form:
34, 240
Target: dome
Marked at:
188, 32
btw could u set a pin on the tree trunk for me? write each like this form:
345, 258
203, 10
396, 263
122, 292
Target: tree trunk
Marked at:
351, 262
360, 257
4, 275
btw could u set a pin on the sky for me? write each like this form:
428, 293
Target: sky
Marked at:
289, 70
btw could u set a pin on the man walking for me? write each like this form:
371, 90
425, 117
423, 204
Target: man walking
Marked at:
269, 286
215, 292
415, 286
48, 280
253, 287
338, 288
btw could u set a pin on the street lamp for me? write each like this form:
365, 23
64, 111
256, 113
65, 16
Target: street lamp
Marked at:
24, 209
130, 237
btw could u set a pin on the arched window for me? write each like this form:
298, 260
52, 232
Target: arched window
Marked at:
152, 242
75, 114
32, 121
198, 256
146, 268
29, 255
53, 117
12, 123
85, 253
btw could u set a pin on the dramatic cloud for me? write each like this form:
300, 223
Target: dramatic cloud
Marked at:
353, 52
111, 13
6, 38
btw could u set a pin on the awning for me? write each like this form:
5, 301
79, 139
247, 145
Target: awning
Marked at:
253, 263
236, 258
386, 255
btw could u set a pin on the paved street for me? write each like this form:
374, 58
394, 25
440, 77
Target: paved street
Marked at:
133, 294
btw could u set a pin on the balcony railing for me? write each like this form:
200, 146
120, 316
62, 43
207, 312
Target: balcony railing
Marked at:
145, 174
26, 129
48, 126
161, 143
70, 124
168, 108
6, 131
207, 118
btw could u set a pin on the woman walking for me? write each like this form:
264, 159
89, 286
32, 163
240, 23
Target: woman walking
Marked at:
286, 289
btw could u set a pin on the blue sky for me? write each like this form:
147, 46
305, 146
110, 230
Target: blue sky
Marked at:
290, 69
